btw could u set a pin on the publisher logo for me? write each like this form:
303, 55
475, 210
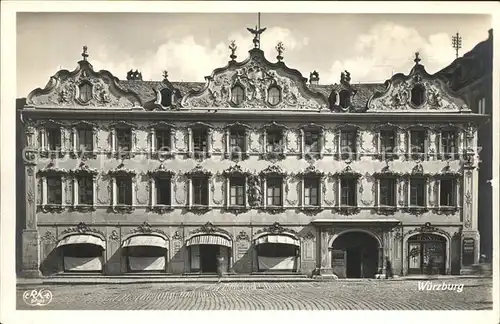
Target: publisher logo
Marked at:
37, 297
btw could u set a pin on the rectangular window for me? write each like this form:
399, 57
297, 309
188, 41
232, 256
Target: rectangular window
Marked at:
200, 141
449, 143
417, 192
348, 192
417, 142
237, 191
447, 195
200, 191
85, 139
124, 190
348, 144
312, 142
387, 141
237, 141
53, 139
163, 191
162, 140
85, 190
387, 192
274, 191
123, 140
481, 106
54, 190
274, 141
311, 192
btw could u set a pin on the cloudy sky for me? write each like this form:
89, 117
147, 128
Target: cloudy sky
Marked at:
370, 46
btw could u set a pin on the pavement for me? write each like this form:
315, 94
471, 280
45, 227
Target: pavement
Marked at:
475, 294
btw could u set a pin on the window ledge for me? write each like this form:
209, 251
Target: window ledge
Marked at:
199, 155
236, 156
123, 155
275, 209
273, 156
386, 210
199, 209
347, 210
387, 156
53, 154
311, 210
83, 208
447, 210
162, 155
83, 154
52, 208
161, 209
128, 209
416, 209
236, 209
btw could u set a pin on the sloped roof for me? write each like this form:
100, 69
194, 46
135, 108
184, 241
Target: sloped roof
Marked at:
145, 89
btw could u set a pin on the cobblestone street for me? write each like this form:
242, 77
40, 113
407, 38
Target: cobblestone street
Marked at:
336, 295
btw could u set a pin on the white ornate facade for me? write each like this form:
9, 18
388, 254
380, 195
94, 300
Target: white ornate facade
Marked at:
289, 182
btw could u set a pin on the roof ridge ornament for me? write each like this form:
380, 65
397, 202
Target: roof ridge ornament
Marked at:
84, 53
233, 48
280, 49
417, 58
257, 32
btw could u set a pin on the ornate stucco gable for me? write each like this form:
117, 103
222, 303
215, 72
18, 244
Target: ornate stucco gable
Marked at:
417, 92
254, 77
83, 88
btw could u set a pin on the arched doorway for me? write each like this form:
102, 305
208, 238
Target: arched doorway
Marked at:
426, 254
355, 255
277, 252
82, 253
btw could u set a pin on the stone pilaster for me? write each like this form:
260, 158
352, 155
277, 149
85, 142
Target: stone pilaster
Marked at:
324, 254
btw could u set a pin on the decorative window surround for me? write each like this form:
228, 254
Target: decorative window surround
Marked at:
196, 172
417, 208
273, 171
121, 171
162, 172
209, 129
114, 140
43, 175
75, 151
315, 128
459, 142
387, 173
227, 133
274, 155
347, 173
419, 156
390, 155
311, 173
455, 177
165, 154
338, 140
84, 170
235, 171
43, 139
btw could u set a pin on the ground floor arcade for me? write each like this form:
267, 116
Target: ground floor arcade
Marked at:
352, 249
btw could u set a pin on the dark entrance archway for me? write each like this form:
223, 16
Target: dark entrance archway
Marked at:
355, 255
426, 254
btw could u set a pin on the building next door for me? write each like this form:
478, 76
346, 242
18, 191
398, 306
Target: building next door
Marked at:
426, 254
355, 255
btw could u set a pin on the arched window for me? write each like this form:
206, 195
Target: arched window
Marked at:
345, 100
85, 92
166, 97
274, 95
237, 95
418, 95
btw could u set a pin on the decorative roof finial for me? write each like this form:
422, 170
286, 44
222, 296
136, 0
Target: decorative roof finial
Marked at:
256, 32
456, 43
280, 48
233, 47
417, 59
84, 54
165, 74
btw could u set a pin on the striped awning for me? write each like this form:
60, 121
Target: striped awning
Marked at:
145, 240
82, 239
282, 239
209, 239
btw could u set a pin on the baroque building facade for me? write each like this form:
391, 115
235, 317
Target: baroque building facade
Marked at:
258, 165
